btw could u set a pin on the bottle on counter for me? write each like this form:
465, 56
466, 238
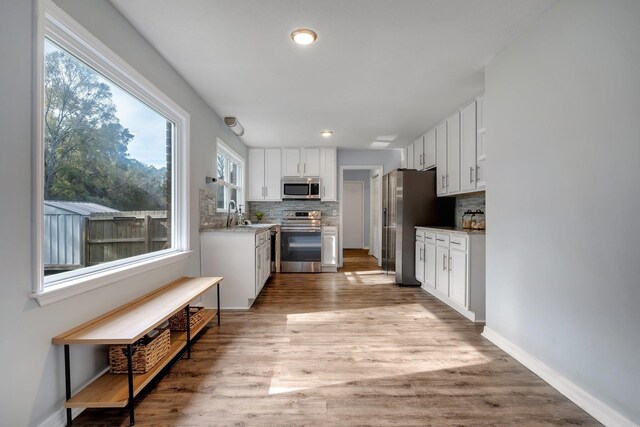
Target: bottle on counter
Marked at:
478, 221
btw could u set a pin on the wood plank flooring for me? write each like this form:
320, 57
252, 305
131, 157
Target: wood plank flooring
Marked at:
346, 348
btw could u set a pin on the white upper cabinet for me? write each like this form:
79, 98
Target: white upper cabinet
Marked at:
328, 174
481, 144
468, 147
300, 162
430, 149
441, 159
255, 189
291, 162
410, 162
453, 153
264, 174
310, 162
418, 154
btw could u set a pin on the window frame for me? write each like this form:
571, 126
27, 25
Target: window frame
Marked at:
231, 154
56, 25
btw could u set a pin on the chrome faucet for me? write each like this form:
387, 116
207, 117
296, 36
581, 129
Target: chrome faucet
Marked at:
229, 217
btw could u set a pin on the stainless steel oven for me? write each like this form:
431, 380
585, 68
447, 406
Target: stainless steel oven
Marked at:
300, 242
301, 189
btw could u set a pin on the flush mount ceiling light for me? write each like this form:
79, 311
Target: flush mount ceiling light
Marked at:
303, 36
327, 133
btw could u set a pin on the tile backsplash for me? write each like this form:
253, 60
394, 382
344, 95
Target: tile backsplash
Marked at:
467, 202
273, 211
208, 204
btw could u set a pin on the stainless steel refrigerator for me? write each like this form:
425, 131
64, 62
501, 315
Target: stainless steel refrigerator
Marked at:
408, 200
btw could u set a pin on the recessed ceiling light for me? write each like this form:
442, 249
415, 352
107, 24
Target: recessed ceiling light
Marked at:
303, 36
327, 133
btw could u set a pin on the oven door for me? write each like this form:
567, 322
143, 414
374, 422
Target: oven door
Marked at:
300, 249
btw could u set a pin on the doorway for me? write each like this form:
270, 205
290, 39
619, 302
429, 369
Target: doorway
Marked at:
359, 189
353, 214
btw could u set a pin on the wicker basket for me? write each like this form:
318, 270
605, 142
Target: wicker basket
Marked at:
178, 322
144, 356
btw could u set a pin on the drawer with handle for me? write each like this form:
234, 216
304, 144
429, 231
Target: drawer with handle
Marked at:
442, 239
459, 242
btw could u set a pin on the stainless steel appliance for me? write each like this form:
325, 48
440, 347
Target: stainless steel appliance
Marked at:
301, 189
409, 199
300, 242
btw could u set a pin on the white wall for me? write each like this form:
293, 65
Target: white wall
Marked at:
390, 159
563, 270
362, 176
30, 367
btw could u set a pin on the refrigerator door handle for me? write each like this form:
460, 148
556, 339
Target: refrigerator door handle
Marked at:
384, 217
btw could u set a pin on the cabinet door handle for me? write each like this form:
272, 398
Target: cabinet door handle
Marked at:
324, 191
454, 243
304, 168
442, 181
298, 168
447, 180
477, 171
266, 191
471, 175
440, 240
444, 262
450, 263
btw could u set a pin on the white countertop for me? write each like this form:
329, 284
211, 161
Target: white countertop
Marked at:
253, 228
455, 230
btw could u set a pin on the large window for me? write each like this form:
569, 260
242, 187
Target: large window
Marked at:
229, 170
112, 151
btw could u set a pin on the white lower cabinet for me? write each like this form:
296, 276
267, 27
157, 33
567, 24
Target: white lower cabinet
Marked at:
329, 255
243, 258
451, 267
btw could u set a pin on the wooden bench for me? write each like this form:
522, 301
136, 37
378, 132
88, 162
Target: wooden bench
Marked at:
126, 325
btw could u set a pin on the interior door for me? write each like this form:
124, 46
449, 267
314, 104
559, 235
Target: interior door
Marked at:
353, 214
256, 174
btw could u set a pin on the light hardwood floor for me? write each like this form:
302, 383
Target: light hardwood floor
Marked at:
346, 348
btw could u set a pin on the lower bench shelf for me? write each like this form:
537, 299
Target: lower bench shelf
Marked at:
112, 390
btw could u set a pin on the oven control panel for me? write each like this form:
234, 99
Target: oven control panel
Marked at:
302, 215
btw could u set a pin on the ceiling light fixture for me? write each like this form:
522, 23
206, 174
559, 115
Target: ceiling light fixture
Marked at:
303, 36
327, 133
234, 125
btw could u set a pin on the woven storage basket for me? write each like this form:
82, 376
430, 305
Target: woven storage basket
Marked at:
144, 357
178, 322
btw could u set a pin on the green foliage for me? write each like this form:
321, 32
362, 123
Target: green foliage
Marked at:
85, 151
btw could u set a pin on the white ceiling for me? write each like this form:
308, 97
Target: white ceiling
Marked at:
379, 67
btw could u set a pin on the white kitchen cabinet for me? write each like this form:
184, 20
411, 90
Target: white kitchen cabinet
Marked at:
453, 269
442, 270
328, 174
291, 162
481, 144
410, 161
429, 149
243, 258
441, 159
418, 153
453, 153
420, 261
468, 156
265, 173
300, 162
329, 257
430, 262
458, 276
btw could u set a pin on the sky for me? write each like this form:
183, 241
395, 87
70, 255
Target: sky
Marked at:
147, 125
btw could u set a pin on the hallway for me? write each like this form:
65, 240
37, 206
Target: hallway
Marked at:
346, 348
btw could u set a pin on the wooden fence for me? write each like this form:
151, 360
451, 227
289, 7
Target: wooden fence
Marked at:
114, 236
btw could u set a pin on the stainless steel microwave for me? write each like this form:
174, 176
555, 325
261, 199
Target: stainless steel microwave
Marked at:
301, 189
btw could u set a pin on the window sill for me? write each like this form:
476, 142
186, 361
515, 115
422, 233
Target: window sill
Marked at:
77, 286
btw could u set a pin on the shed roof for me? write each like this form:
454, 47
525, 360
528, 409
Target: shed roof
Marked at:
80, 208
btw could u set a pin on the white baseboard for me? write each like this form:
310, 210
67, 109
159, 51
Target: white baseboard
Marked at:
589, 403
59, 418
